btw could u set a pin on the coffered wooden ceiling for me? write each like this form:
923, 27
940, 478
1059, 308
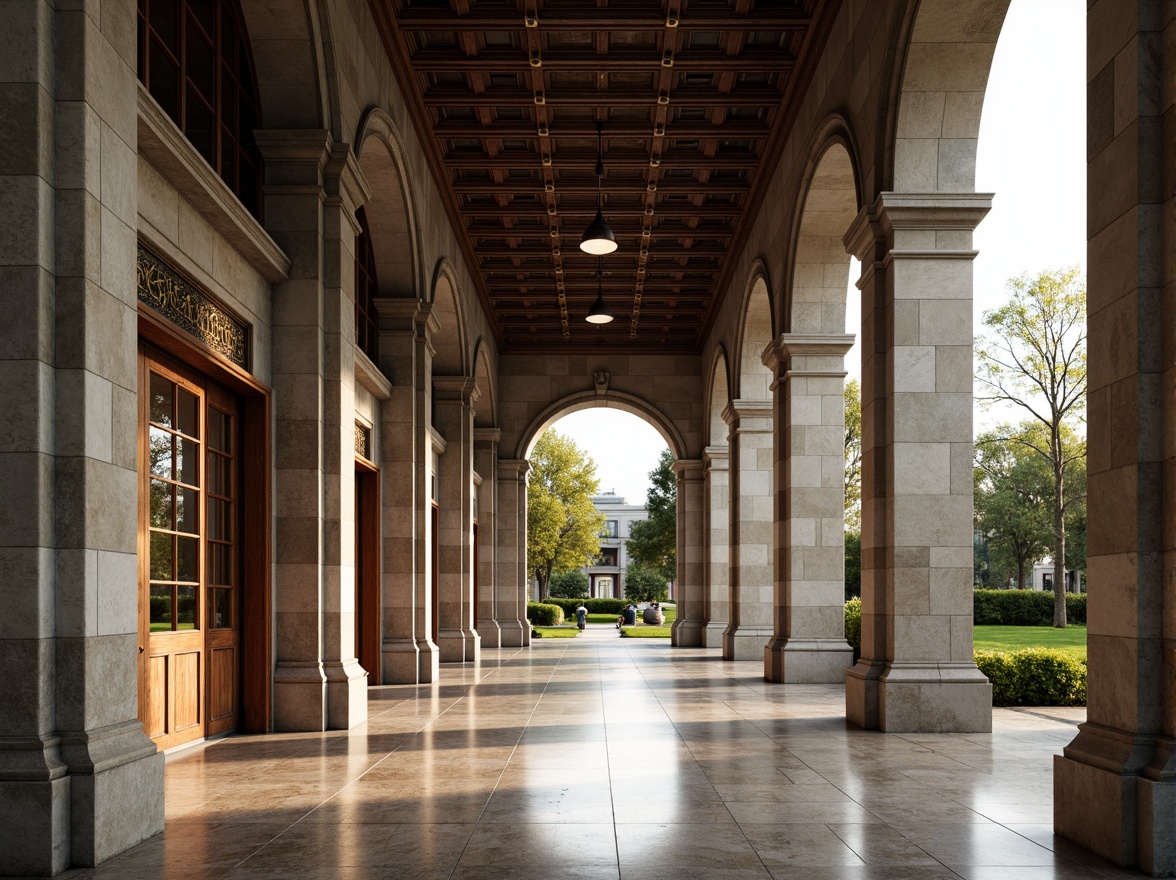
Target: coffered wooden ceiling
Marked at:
697, 97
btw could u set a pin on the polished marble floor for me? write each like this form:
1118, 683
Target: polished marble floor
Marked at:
603, 757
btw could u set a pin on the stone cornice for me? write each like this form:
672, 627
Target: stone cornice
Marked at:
369, 376
163, 145
793, 345
513, 468
487, 435
736, 410
455, 389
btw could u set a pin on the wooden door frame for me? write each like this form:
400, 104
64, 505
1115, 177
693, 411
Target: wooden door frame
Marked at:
367, 569
256, 515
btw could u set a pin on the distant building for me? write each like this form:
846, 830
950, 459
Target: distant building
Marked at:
605, 578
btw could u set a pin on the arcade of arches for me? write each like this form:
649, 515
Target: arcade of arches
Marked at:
291, 287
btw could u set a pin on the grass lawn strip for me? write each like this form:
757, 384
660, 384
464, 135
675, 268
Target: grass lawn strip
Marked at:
1072, 639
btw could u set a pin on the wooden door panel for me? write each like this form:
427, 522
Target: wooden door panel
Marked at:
156, 720
186, 694
222, 686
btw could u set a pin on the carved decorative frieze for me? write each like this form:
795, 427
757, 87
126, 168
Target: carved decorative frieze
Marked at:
191, 309
363, 441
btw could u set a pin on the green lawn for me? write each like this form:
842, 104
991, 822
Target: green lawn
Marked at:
557, 632
645, 632
1072, 639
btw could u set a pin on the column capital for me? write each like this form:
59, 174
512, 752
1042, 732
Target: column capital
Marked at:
514, 469
344, 183
688, 468
294, 156
894, 212
404, 314
737, 410
787, 346
488, 437
455, 389
716, 457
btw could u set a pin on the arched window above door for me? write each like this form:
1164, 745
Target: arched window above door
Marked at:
194, 59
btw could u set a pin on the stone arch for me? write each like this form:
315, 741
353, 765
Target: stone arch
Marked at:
818, 270
390, 211
486, 410
717, 398
292, 73
617, 400
449, 342
756, 329
938, 94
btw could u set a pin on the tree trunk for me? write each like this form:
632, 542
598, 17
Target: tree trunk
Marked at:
1059, 523
1020, 574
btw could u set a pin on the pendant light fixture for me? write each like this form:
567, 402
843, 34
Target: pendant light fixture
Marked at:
599, 313
598, 239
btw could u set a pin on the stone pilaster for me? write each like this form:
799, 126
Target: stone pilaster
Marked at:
809, 394
750, 442
690, 622
717, 546
312, 190
486, 463
405, 357
1115, 784
511, 583
453, 398
916, 671
79, 780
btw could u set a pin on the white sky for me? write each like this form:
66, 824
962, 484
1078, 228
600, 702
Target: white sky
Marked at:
1031, 154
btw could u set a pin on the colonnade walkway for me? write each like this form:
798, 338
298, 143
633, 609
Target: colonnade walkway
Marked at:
603, 757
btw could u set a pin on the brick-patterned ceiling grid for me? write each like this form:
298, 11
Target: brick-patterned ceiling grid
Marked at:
696, 97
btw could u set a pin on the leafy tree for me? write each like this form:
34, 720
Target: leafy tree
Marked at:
1035, 358
568, 584
853, 457
1012, 492
643, 584
653, 542
853, 564
563, 527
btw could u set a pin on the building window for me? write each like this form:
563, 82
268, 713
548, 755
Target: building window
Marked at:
195, 61
610, 529
608, 556
367, 335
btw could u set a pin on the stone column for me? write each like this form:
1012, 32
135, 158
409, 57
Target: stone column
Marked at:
717, 546
809, 392
486, 464
312, 190
405, 354
750, 442
688, 625
79, 780
916, 671
1115, 785
511, 580
453, 398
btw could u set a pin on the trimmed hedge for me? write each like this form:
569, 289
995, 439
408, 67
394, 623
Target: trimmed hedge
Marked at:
853, 627
1034, 677
544, 614
603, 605
1023, 608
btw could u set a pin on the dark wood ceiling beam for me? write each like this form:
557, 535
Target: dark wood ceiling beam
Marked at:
535, 187
614, 18
580, 159
743, 96
690, 60
464, 128
611, 210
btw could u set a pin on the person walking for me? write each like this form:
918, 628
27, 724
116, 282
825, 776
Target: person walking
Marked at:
581, 617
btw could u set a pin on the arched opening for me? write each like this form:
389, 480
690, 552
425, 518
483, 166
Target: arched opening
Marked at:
389, 211
751, 531
624, 446
716, 598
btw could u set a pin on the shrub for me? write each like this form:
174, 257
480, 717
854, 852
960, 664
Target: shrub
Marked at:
853, 627
544, 614
568, 605
568, 584
1034, 677
605, 605
1023, 608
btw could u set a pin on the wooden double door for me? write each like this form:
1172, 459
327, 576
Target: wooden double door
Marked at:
190, 553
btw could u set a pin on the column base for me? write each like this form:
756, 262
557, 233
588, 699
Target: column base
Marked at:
807, 661
712, 633
930, 698
346, 694
513, 633
861, 693
686, 634
34, 808
746, 642
116, 790
489, 634
430, 662
459, 646
400, 661
1125, 818
300, 696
